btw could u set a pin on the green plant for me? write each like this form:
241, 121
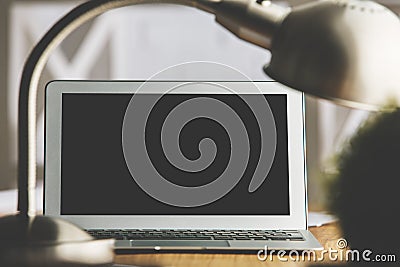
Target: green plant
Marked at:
366, 191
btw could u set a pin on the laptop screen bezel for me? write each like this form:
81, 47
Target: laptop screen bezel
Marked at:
297, 218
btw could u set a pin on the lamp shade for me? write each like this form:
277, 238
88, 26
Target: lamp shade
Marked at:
344, 51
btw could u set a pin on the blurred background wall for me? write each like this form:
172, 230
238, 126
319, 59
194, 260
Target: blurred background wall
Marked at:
135, 43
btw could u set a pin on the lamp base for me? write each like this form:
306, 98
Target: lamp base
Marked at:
45, 241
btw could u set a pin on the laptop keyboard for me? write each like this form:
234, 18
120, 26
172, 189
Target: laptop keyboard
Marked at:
133, 234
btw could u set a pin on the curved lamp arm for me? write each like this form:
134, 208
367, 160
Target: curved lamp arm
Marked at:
345, 51
257, 24
29, 88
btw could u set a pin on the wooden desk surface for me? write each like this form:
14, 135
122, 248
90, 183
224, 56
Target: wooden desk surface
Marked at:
327, 235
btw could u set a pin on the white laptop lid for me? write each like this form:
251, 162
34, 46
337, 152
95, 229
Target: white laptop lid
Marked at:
191, 155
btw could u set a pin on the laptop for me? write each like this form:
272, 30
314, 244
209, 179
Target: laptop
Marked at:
179, 165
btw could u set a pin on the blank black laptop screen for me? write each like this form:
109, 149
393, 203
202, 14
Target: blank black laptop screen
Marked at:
96, 179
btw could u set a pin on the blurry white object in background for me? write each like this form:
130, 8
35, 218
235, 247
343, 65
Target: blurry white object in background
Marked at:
8, 200
320, 218
336, 125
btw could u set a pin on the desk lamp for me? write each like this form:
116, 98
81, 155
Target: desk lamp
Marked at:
342, 50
